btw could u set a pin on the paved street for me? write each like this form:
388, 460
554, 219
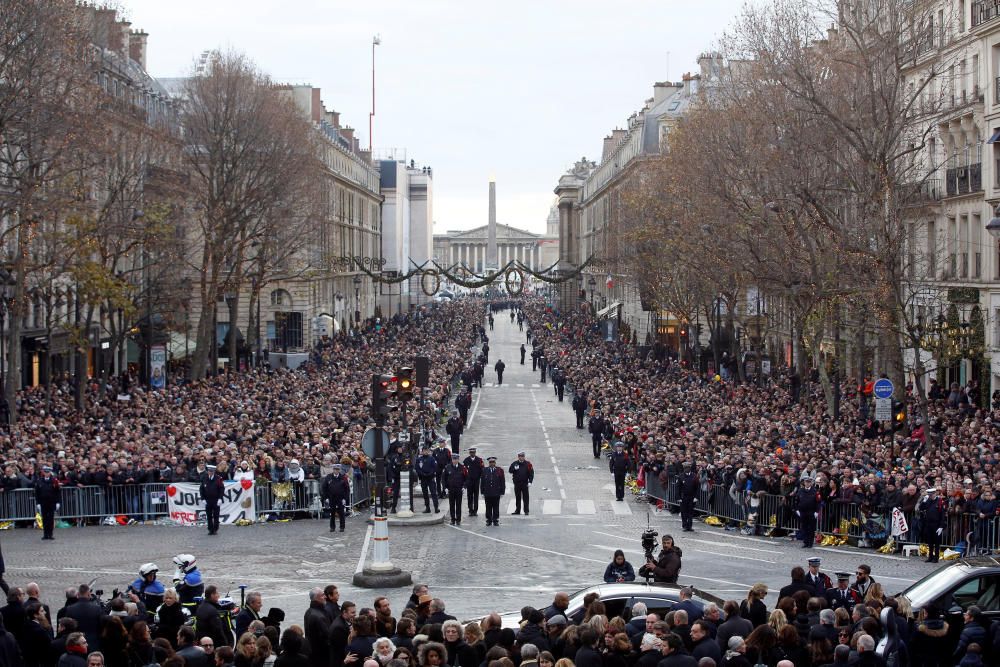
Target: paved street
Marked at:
564, 544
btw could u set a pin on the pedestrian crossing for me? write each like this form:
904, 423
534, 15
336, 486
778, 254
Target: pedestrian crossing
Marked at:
519, 385
559, 507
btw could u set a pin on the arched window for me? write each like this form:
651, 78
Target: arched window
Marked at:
280, 297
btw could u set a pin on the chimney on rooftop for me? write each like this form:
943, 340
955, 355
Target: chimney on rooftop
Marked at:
661, 91
123, 34
104, 27
137, 47
607, 148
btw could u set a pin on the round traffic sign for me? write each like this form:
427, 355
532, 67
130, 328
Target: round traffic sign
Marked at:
883, 388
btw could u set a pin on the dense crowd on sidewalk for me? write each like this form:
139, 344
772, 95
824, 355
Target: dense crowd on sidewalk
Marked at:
755, 439
815, 622
274, 425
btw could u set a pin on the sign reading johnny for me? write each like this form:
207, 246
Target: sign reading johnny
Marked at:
186, 506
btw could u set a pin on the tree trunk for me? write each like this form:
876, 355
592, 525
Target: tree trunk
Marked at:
234, 309
15, 314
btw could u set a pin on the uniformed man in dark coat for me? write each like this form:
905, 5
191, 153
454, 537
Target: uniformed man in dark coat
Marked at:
474, 465
535, 354
336, 493
596, 428
493, 486
932, 511
843, 595
818, 580
47, 500
618, 464
211, 491
442, 457
456, 477
522, 353
559, 380
543, 365
807, 509
522, 474
579, 407
689, 495
426, 469
394, 464
463, 403
454, 428
486, 350
499, 367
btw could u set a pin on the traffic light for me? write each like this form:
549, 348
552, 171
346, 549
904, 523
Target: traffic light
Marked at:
404, 383
382, 392
898, 415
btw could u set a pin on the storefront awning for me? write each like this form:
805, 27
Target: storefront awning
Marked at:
612, 308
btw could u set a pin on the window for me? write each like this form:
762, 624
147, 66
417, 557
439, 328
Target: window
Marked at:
280, 297
932, 249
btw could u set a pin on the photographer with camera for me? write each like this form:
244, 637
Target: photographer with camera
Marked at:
664, 568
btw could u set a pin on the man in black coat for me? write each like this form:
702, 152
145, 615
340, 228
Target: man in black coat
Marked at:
798, 584
675, 654
317, 628
492, 486
336, 493
596, 428
340, 630
807, 509
87, 615
932, 510
211, 491
463, 403
209, 622
454, 428
456, 477
559, 380
47, 500
426, 468
618, 464
442, 457
689, 495
522, 474
579, 407
499, 368
522, 353
474, 465
702, 644
193, 655
587, 655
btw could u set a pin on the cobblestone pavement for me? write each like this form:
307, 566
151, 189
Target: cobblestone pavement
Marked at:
564, 544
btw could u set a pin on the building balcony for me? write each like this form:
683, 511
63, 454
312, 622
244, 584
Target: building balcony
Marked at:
984, 11
964, 180
928, 190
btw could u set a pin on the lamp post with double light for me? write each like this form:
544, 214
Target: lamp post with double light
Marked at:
357, 299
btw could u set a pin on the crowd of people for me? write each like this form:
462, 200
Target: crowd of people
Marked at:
744, 439
816, 621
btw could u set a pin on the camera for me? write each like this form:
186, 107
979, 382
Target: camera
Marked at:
648, 540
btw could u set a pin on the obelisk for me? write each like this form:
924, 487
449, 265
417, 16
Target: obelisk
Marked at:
491, 239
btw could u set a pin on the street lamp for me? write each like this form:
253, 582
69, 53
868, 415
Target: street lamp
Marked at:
993, 226
357, 298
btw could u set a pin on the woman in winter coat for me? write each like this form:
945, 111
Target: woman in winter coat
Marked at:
753, 608
929, 644
619, 569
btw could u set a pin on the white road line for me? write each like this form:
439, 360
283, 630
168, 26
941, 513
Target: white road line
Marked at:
535, 386
531, 548
621, 508
519, 384
588, 507
551, 506
472, 414
364, 551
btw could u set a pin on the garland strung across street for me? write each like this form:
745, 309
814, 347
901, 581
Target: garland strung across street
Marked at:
512, 274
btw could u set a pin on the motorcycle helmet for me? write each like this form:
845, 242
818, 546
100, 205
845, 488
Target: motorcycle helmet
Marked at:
185, 562
147, 569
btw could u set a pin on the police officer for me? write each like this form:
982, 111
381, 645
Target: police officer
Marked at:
807, 509
596, 428
559, 379
500, 365
456, 477
689, 493
522, 474
493, 486
463, 403
211, 491
543, 364
486, 350
819, 580
336, 492
618, 464
454, 428
47, 500
843, 595
535, 354
394, 463
523, 350
427, 469
579, 407
442, 457
474, 465
932, 511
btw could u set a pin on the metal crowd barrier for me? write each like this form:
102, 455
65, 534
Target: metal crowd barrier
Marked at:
145, 502
775, 516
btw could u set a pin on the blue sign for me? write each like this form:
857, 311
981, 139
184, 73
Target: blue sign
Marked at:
883, 388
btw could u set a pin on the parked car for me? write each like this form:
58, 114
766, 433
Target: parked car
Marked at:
958, 585
617, 598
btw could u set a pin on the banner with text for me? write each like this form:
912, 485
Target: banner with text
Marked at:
187, 508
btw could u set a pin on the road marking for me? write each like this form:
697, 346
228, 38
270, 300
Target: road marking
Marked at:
520, 384
364, 551
531, 548
487, 384
586, 507
621, 508
571, 524
472, 415
535, 386
551, 506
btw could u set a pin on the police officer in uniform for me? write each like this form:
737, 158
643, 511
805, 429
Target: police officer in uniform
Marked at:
843, 595
211, 491
522, 474
618, 464
559, 379
336, 492
689, 492
393, 473
47, 500
427, 469
456, 477
535, 354
442, 457
543, 364
499, 368
454, 428
579, 407
932, 511
493, 486
807, 509
596, 428
463, 403
474, 465
522, 353
819, 580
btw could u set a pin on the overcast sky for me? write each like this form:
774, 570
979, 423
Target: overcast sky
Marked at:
516, 89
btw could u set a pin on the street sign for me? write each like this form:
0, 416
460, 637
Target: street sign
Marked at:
883, 388
883, 409
368, 443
